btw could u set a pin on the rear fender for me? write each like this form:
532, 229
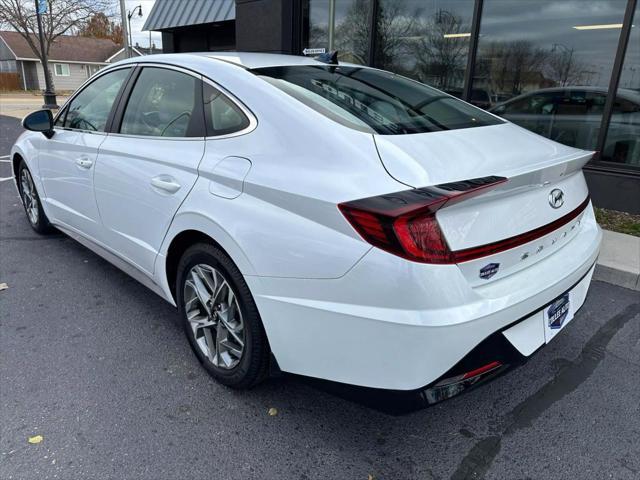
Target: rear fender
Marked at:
184, 221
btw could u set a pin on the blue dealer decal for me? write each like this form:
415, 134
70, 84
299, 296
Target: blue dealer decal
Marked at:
489, 271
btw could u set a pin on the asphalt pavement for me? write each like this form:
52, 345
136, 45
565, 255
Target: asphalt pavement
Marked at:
99, 367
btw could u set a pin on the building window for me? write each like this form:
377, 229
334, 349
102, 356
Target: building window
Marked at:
425, 40
341, 25
622, 144
62, 69
8, 66
549, 64
91, 69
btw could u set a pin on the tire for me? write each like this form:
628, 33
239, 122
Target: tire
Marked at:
218, 327
31, 201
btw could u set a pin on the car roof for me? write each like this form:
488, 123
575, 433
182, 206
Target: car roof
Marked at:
248, 60
259, 60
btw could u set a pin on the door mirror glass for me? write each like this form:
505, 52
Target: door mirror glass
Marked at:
39, 121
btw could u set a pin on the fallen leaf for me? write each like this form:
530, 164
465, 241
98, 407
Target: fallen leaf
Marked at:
273, 412
35, 439
370, 477
3, 286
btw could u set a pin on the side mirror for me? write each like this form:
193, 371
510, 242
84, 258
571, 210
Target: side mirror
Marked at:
39, 121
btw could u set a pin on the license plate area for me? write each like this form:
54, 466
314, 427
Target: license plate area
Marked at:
557, 315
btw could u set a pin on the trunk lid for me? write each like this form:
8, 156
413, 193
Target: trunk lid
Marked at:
534, 166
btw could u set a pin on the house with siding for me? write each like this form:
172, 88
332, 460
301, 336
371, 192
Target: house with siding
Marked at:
72, 60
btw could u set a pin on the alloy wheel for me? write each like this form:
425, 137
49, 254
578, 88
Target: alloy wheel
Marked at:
214, 315
29, 196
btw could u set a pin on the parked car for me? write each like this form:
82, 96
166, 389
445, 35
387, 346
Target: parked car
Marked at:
479, 97
572, 115
330, 220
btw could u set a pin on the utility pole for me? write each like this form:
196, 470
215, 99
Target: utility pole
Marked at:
129, 15
125, 30
49, 94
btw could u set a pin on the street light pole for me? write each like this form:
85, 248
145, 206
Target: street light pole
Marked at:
49, 94
129, 15
125, 30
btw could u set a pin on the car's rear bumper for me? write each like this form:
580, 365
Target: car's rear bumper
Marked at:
393, 324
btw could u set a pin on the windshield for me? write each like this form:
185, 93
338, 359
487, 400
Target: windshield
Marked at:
373, 100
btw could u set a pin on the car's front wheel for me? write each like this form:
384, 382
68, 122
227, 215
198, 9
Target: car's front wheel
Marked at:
220, 317
31, 201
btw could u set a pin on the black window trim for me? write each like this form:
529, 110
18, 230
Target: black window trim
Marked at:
65, 108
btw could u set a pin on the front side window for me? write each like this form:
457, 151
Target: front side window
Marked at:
375, 101
163, 104
60, 120
90, 109
62, 69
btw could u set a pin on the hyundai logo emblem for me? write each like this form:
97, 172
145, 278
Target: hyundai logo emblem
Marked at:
556, 198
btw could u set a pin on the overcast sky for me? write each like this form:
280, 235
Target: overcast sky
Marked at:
137, 22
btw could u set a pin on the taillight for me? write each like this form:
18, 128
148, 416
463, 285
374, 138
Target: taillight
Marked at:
405, 224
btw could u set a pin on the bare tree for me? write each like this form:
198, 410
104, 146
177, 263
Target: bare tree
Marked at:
565, 69
352, 33
394, 25
62, 17
508, 66
352, 38
440, 53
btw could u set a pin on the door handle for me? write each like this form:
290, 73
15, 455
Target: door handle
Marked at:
84, 162
166, 183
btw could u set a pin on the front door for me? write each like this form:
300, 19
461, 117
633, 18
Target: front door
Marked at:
148, 167
67, 161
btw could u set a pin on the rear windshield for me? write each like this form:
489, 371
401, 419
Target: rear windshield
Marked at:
375, 101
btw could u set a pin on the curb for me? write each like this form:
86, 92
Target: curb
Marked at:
619, 260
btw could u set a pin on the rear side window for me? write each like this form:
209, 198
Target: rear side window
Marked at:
163, 103
375, 101
222, 115
90, 109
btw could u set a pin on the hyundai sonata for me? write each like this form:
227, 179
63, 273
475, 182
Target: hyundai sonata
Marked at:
327, 219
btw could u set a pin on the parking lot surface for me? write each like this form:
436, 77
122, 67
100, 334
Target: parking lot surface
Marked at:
99, 367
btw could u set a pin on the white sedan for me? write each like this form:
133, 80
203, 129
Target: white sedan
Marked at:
327, 219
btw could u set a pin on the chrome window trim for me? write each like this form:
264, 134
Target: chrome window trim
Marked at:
253, 122
89, 132
152, 137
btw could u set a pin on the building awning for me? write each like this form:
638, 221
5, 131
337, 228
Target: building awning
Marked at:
167, 14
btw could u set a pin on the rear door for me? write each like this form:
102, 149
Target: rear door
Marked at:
149, 163
67, 160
